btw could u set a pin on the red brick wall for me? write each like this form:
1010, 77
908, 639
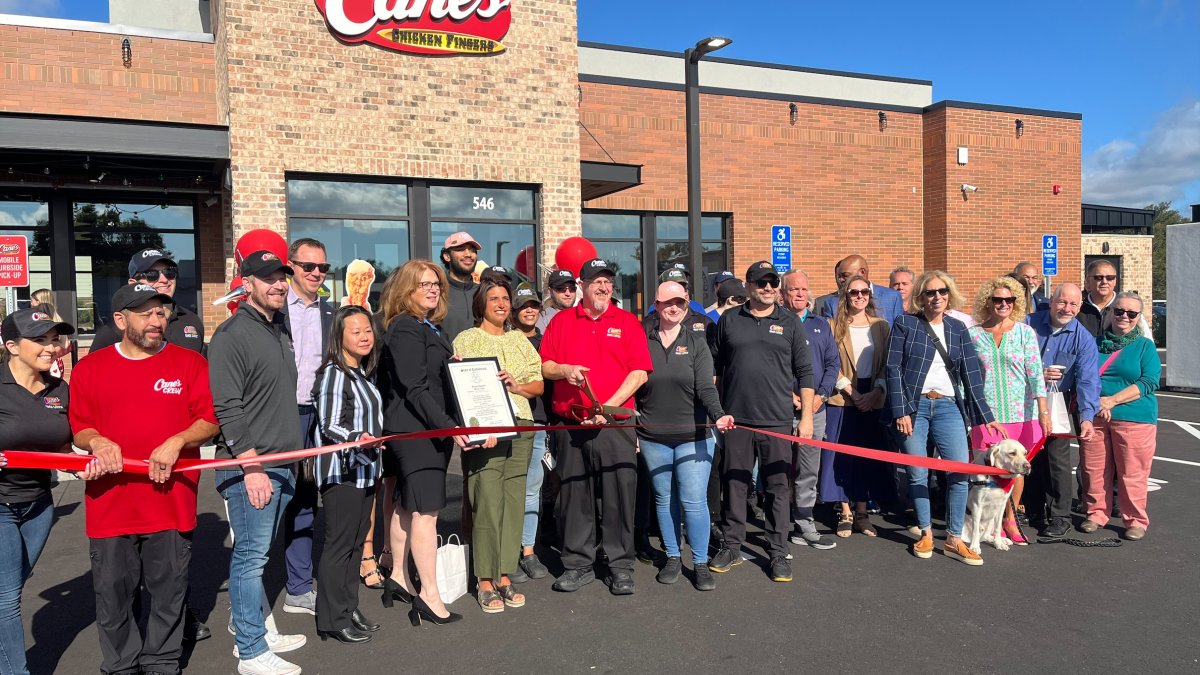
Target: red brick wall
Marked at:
842, 184
66, 72
1002, 224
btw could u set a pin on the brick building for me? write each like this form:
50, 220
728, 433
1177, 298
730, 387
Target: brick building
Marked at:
207, 120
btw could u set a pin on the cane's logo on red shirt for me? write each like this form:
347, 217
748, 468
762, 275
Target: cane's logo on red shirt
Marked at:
52, 402
169, 386
614, 332
776, 329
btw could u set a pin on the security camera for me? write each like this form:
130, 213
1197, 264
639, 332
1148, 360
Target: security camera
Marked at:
967, 187
210, 201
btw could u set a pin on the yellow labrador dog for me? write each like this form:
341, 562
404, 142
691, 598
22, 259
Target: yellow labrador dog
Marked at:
986, 500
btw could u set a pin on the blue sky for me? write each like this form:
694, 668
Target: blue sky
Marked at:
1129, 66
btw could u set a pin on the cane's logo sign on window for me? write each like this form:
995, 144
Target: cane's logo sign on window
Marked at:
169, 386
436, 27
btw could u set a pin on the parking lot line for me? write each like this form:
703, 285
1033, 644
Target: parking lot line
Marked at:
1177, 461
1186, 426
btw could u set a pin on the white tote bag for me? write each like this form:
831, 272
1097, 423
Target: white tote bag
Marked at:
452, 569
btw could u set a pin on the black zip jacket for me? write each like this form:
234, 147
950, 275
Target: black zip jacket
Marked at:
252, 371
680, 390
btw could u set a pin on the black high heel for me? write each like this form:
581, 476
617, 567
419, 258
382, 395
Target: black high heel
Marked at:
420, 611
392, 590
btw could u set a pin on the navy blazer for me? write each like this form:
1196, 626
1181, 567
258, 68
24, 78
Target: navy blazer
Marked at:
911, 352
413, 378
889, 304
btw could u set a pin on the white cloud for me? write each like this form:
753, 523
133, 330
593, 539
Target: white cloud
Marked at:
1121, 173
30, 7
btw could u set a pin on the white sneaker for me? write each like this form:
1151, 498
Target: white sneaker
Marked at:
279, 643
267, 664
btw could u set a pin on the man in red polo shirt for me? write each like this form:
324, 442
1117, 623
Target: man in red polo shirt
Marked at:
598, 345
150, 400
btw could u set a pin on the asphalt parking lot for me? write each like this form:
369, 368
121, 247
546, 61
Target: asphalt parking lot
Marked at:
865, 606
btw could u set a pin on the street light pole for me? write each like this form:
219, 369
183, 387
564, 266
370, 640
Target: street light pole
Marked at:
691, 64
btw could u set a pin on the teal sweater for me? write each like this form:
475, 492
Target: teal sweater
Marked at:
1136, 364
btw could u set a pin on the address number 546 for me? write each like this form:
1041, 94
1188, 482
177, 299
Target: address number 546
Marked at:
483, 203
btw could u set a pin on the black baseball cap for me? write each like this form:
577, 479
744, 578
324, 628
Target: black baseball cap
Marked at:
594, 268
731, 288
32, 322
132, 296
760, 270
525, 295
143, 260
676, 274
681, 267
560, 278
497, 273
263, 264
721, 277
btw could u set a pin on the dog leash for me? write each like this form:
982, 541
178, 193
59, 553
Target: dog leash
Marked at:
1111, 542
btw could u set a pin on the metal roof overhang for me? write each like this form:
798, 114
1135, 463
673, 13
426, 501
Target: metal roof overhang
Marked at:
598, 179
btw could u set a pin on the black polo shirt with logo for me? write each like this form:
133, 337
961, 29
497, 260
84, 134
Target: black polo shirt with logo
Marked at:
36, 422
758, 360
184, 329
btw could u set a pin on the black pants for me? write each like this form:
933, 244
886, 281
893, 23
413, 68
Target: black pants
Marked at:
774, 455
119, 565
1048, 488
347, 518
714, 479
598, 471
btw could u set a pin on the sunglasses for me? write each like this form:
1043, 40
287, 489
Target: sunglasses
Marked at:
934, 292
308, 267
996, 300
859, 292
567, 288
152, 276
1104, 277
1125, 312
763, 283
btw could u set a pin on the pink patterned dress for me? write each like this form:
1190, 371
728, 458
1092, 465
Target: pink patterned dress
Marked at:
1012, 381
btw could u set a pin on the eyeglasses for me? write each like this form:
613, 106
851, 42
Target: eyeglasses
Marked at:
997, 300
934, 292
430, 285
152, 276
308, 267
763, 283
1117, 313
859, 292
1104, 277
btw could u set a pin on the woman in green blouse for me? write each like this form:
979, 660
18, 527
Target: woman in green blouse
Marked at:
1126, 427
496, 475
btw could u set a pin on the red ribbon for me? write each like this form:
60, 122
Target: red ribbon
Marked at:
19, 459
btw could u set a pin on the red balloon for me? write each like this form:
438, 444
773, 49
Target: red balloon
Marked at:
526, 265
572, 253
259, 240
233, 286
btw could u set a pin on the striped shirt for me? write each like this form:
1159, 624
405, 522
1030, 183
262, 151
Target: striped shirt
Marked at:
348, 406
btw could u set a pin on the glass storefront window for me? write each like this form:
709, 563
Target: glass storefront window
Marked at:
324, 197
29, 219
480, 202
383, 243
676, 227
612, 225
626, 257
107, 236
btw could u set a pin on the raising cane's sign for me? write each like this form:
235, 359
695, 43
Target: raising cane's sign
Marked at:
436, 27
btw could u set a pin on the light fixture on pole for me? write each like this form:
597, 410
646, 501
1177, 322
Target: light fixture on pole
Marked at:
691, 69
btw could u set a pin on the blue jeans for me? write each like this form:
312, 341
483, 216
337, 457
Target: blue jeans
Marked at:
253, 532
940, 420
679, 474
533, 489
24, 529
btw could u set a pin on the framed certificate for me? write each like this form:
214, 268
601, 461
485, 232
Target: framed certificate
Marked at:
481, 397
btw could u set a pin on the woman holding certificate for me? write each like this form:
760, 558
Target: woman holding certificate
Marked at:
496, 475
412, 379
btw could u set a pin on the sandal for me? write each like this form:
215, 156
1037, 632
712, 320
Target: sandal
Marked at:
378, 583
862, 523
845, 525
490, 601
1013, 531
510, 595
384, 568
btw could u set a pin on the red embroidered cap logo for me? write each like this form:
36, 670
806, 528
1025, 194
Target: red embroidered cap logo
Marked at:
435, 27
